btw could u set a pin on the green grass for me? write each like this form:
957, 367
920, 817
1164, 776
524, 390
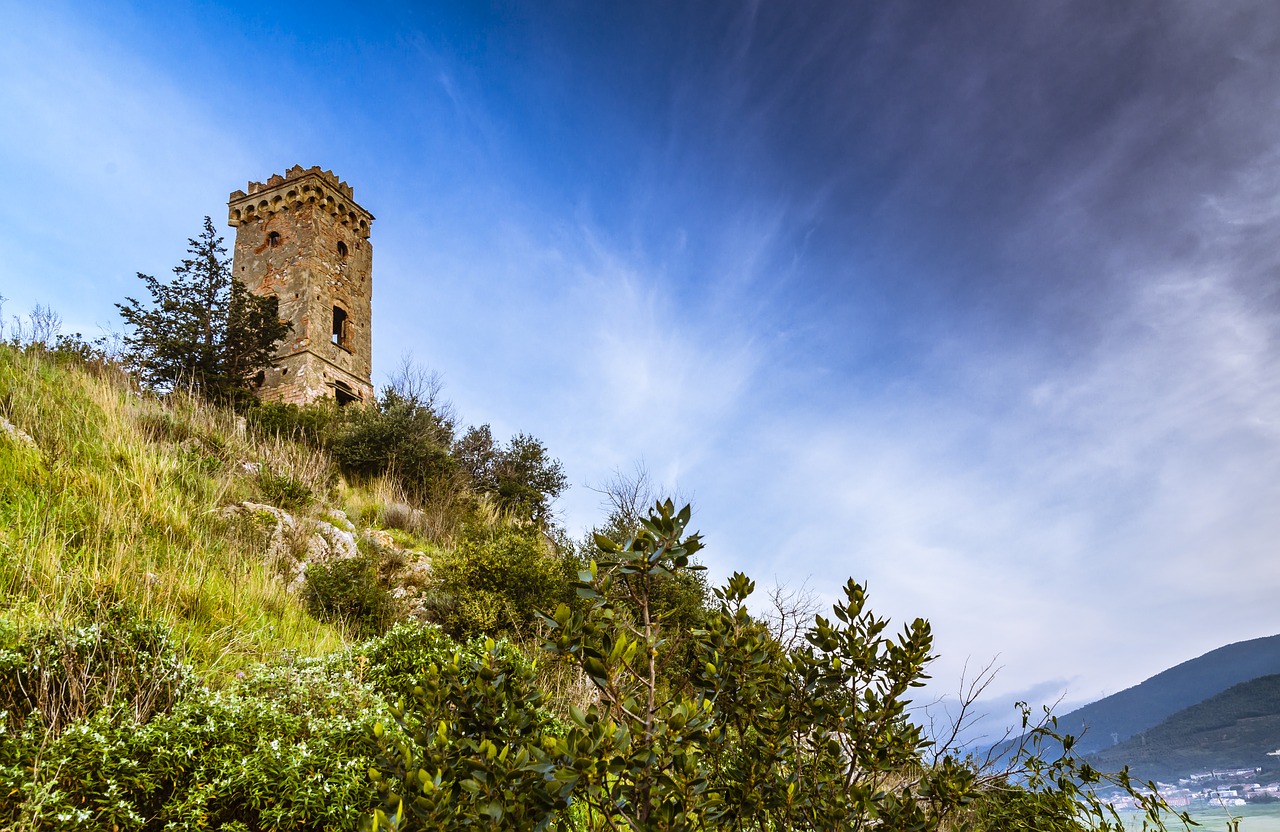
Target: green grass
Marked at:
123, 501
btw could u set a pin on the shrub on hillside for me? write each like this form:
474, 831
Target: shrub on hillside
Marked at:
521, 477
394, 663
407, 436
496, 580
478, 753
54, 675
814, 738
682, 600
350, 591
286, 748
397, 434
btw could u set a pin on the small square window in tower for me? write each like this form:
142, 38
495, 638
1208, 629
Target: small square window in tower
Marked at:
341, 328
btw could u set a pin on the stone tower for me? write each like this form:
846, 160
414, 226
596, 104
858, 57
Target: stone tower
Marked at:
302, 238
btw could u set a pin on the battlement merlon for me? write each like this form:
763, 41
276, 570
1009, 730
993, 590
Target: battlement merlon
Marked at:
298, 187
298, 171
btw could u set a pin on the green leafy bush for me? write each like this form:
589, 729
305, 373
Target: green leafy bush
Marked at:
407, 435
349, 591
399, 434
813, 738
394, 662
475, 748
522, 477
496, 580
285, 748
58, 674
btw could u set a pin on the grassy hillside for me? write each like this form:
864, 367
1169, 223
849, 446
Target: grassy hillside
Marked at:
1144, 706
1235, 729
121, 497
162, 665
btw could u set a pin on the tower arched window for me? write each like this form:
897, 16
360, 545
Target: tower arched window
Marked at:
344, 394
342, 250
273, 239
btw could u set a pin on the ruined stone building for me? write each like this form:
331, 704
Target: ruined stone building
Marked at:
302, 238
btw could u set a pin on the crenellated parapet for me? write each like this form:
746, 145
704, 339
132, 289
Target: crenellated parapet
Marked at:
299, 187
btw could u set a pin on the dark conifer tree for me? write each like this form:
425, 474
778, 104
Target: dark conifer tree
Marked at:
203, 328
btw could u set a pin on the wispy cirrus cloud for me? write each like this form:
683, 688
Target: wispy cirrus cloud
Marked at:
1059, 515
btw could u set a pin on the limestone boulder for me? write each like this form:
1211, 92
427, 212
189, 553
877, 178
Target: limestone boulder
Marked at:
295, 542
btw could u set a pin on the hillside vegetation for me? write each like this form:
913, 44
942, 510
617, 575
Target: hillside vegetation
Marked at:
1134, 710
318, 618
119, 498
169, 563
1232, 730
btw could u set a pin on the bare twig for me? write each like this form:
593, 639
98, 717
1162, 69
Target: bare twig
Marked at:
791, 613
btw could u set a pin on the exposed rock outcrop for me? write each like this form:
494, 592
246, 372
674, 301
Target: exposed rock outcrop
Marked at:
296, 542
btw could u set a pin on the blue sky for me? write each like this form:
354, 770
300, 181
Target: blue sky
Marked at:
975, 302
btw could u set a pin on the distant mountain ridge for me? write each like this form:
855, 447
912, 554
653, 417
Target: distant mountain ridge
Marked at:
1234, 729
1102, 724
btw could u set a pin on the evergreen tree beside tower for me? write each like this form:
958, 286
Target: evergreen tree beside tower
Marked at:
202, 330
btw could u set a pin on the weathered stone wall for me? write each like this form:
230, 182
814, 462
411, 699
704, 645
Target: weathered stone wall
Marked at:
302, 238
